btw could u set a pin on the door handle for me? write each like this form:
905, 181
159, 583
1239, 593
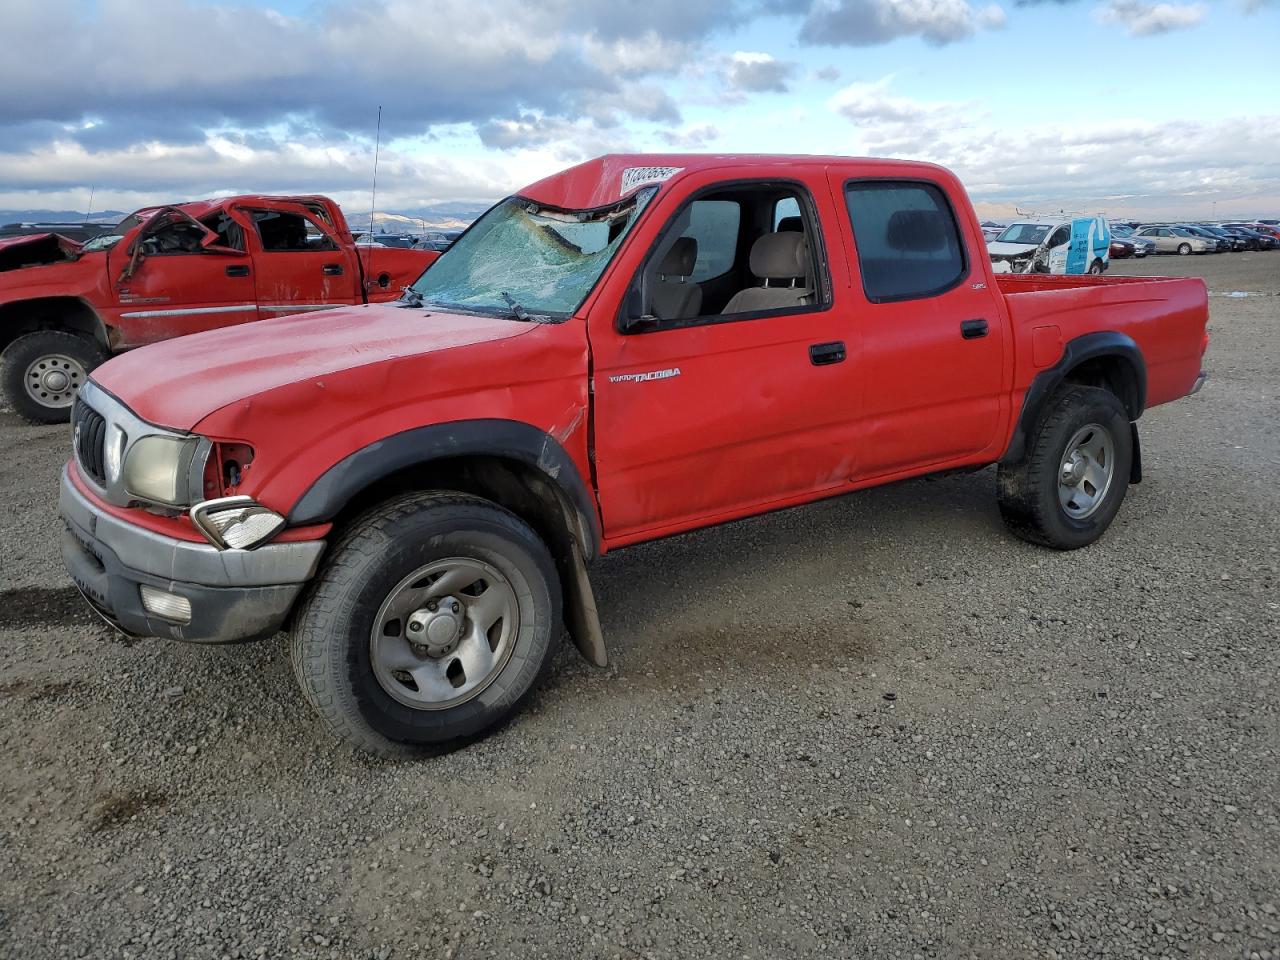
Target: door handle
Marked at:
821, 354
237, 270
332, 269
973, 329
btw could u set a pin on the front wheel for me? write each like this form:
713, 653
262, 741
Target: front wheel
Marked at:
1072, 478
43, 371
1184, 249
433, 618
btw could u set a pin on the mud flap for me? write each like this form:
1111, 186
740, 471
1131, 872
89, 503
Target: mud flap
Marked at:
580, 613
1135, 468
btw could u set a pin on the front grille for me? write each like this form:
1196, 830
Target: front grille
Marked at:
90, 440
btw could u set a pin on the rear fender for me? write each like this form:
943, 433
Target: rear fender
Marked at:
1076, 355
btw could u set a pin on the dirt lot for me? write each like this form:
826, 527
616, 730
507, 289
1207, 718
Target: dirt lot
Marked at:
876, 727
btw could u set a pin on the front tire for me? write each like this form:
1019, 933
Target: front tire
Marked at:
436, 614
1184, 249
1072, 478
42, 372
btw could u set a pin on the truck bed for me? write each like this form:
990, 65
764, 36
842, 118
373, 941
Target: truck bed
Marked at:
1165, 316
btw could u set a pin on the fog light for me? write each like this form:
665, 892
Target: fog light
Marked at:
236, 522
165, 604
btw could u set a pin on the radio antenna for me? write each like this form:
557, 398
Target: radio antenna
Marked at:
89, 212
373, 199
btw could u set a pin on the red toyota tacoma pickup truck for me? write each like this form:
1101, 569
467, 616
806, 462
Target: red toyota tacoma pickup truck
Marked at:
633, 348
169, 271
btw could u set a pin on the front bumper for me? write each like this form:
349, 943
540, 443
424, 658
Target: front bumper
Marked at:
234, 594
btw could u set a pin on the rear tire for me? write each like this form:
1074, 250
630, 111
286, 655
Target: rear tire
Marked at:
1184, 249
397, 671
1096, 267
42, 372
1072, 478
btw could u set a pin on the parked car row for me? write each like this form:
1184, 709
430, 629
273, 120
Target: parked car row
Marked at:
1185, 239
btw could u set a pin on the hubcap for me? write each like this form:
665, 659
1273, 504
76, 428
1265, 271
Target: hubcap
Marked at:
54, 380
1086, 471
444, 633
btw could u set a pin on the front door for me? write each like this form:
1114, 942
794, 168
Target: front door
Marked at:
182, 276
933, 343
733, 395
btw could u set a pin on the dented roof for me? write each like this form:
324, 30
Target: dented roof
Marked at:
607, 179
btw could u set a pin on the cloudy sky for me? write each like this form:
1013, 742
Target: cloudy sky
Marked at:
1125, 106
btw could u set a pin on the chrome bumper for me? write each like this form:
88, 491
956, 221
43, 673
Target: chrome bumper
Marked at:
234, 594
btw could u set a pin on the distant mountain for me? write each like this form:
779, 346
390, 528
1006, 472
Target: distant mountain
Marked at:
59, 216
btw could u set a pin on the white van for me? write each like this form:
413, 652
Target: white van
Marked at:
1063, 245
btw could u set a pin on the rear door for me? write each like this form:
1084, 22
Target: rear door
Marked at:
932, 366
301, 263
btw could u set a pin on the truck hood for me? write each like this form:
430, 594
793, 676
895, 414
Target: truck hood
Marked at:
177, 383
35, 250
1009, 250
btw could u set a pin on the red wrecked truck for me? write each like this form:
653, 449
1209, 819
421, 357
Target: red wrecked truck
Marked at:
636, 347
168, 271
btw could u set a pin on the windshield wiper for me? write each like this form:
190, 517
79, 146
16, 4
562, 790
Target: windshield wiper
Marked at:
412, 297
520, 312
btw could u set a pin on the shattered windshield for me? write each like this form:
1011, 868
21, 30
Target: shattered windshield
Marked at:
525, 259
1031, 233
106, 241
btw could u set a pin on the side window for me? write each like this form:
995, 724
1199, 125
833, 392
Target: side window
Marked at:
786, 214
283, 232
1060, 236
228, 231
740, 251
714, 225
907, 238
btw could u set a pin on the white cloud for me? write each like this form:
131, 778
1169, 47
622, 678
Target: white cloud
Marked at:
1144, 19
868, 22
750, 72
1125, 165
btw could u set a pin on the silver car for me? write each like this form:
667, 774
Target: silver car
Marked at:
1177, 240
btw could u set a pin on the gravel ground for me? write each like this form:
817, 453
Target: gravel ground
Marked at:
875, 727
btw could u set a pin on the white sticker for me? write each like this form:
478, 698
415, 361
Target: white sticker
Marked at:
633, 177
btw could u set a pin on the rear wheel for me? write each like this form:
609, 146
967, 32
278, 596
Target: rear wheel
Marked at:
43, 371
1096, 267
1184, 249
1069, 484
434, 617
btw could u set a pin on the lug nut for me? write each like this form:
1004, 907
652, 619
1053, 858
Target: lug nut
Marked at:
431, 605
415, 626
456, 606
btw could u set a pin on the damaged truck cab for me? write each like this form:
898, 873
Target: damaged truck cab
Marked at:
168, 271
633, 348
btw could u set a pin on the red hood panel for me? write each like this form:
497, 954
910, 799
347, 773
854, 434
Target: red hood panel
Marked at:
177, 383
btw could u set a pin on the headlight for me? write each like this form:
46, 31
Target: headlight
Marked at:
158, 469
238, 523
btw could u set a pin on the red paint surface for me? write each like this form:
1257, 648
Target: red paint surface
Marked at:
748, 425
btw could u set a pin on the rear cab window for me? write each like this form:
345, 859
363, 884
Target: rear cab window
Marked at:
907, 239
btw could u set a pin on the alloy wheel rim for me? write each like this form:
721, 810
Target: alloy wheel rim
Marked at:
444, 633
1086, 471
54, 379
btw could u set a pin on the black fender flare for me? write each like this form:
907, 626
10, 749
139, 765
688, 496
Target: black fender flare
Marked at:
418, 446
1089, 346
